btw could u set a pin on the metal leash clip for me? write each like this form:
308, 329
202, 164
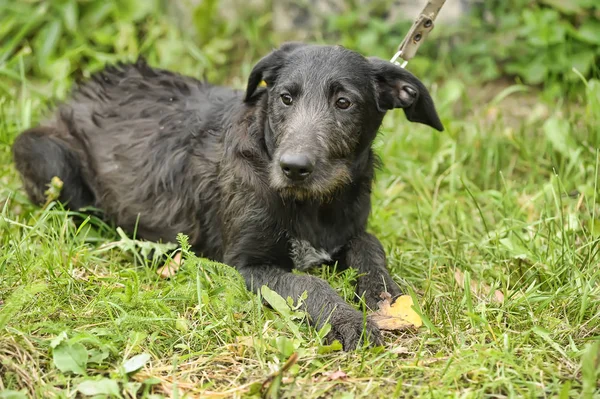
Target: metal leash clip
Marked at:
418, 32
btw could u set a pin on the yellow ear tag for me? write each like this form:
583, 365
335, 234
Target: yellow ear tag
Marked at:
262, 84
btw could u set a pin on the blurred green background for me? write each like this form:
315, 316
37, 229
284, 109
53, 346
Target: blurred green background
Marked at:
534, 42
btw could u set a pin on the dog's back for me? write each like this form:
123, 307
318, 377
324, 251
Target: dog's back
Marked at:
147, 143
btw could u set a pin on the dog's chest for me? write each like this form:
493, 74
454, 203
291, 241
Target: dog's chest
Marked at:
305, 255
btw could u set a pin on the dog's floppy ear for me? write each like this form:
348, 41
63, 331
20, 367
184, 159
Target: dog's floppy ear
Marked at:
398, 88
267, 67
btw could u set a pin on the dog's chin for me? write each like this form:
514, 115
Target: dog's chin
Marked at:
300, 193
316, 188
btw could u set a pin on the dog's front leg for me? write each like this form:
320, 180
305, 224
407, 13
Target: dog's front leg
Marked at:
323, 304
365, 254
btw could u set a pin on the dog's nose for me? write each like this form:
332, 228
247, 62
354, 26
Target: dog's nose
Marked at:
296, 166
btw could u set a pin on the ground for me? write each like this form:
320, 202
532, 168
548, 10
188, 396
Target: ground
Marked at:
491, 226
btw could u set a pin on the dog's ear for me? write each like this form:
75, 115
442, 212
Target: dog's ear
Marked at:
397, 88
267, 67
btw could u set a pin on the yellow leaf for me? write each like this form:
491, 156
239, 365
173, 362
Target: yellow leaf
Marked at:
396, 316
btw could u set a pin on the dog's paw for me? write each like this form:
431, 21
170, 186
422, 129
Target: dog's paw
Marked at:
351, 329
370, 290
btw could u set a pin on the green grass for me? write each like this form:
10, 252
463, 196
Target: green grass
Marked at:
508, 195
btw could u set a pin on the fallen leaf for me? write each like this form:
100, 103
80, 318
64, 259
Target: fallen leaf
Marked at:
171, 267
336, 375
478, 289
399, 350
459, 277
498, 296
396, 316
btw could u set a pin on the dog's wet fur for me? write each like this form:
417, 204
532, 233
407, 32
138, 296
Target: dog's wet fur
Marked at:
270, 180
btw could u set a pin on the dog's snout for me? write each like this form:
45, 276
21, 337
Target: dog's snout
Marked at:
296, 167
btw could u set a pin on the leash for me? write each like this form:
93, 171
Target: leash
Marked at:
418, 32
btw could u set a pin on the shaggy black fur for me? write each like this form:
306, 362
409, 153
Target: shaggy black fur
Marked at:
268, 180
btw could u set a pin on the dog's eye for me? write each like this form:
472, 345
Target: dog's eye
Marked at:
343, 103
286, 99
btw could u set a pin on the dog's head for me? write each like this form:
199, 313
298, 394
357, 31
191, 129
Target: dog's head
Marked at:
325, 105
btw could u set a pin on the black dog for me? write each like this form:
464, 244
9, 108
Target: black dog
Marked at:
267, 181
